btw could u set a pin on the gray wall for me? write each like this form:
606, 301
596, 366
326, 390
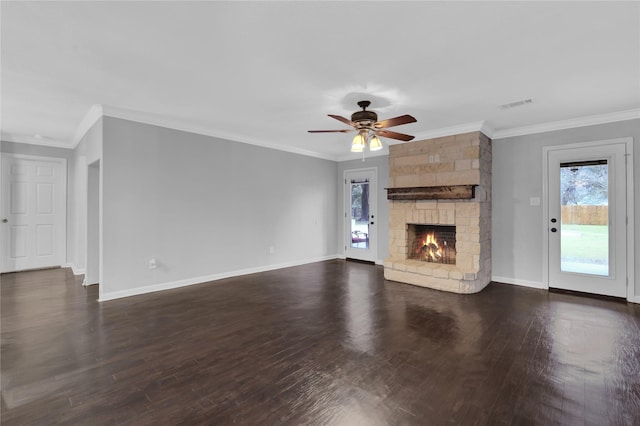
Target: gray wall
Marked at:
517, 175
204, 206
382, 164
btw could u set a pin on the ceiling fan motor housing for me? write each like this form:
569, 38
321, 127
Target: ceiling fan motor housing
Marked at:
364, 116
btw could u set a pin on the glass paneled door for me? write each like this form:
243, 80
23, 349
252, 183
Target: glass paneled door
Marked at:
587, 219
360, 215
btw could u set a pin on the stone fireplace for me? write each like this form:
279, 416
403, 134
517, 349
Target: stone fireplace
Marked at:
440, 213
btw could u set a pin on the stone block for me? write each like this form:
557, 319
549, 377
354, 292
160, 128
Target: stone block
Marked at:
464, 261
427, 205
463, 164
440, 273
470, 276
471, 152
406, 181
427, 179
445, 140
455, 275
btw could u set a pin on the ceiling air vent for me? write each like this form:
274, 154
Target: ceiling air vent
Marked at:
516, 104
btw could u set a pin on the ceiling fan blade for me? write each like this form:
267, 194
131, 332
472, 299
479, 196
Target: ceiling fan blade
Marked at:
330, 131
396, 121
394, 135
341, 118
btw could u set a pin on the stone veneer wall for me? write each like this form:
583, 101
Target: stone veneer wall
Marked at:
463, 159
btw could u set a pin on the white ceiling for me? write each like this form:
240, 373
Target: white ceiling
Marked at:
266, 72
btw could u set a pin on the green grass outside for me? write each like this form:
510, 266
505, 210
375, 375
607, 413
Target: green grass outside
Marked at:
585, 243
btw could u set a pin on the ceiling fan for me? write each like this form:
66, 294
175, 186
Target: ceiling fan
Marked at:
369, 128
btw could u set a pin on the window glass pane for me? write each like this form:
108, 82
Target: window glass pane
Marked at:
584, 222
360, 214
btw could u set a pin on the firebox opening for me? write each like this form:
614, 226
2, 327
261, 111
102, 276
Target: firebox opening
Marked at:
432, 243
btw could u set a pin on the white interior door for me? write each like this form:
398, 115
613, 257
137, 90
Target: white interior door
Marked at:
33, 228
360, 214
587, 223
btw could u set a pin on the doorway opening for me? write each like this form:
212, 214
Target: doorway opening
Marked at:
93, 272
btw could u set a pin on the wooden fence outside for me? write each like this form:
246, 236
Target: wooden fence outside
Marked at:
585, 215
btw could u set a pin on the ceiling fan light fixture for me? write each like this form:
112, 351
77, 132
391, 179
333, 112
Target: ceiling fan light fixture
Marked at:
367, 125
375, 144
358, 143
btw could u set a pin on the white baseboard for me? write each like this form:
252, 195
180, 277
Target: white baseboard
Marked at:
74, 269
206, 278
523, 283
536, 284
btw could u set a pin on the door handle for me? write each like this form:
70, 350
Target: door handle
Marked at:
553, 229
372, 223
554, 220
4, 221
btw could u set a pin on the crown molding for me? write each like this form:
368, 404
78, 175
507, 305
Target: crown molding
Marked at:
32, 140
98, 111
92, 116
567, 124
177, 124
475, 126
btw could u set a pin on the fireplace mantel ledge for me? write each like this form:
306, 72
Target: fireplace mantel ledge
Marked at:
445, 192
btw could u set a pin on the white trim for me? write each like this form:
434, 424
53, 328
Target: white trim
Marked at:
32, 140
567, 124
74, 268
628, 141
523, 283
634, 299
97, 111
92, 116
475, 126
37, 158
544, 204
177, 124
205, 278
631, 233
346, 217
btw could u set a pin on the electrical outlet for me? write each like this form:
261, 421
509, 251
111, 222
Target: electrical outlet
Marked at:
272, 249
153, 263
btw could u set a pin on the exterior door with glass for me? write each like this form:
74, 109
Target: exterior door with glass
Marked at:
587, 225
360, 214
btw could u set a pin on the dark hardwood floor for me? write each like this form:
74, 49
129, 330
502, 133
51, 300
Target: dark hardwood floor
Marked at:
329, 343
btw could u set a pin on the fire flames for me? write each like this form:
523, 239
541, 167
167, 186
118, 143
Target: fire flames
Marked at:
431, 248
